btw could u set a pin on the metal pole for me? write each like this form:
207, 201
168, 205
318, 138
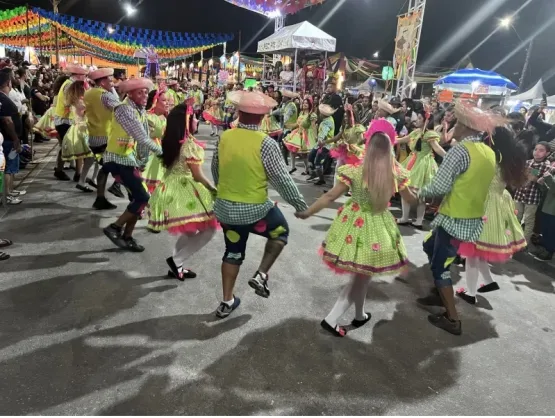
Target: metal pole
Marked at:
239, 60
40, 41
525, 67
295, 72
325, 72
55, 4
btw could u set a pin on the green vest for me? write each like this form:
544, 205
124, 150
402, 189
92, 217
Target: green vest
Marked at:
292, 121
99, 118
467, 198
119, 142
242, 177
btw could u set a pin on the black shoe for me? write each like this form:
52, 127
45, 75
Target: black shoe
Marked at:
114, 234
224, 310
60, 175
415, 226
153, 231
311, 177
132, 245
84, 189
320, 183
466, 297
260, 285
292, 171
101, 203
543, 255
115, 189
338, 331
358, 323
179, 272
431, 300
91, 183
488, 287
186, 274
76, 177
441, 321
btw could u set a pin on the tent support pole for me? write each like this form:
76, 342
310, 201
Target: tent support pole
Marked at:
325, 72
295, 72
263, 67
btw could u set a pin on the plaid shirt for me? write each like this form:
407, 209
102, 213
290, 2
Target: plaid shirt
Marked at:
110, 100
237, 213
455, 163
125, 116
530, 193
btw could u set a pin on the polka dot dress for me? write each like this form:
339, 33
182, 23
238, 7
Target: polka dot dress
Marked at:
360, 241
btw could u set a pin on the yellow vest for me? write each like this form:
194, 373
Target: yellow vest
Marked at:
242, 177
119, 142
99, 118
62, 110
467, 198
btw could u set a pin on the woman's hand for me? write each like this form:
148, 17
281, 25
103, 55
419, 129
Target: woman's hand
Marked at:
302, 215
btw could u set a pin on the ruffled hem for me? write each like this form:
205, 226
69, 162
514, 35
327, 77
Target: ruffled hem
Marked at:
208, 117
489, 252
185, 224
346, 157
349, 267
77, 156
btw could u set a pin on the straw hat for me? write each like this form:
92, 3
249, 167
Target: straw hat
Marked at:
290, 94
171, 83
326, 110
253, 102
76, 69
135, 84
195, 83
470, 115
101, 73
385, 106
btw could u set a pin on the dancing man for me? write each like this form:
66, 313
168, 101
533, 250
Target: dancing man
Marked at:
245, 161
463, 178
128, 142
100, 103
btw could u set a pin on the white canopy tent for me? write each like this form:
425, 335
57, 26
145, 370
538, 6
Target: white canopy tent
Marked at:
535, 93
291, 39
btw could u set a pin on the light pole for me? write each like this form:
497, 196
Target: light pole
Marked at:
55, 4
506, 23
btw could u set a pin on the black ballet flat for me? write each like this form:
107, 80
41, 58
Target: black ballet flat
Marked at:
358, 323
419, 227
338, 331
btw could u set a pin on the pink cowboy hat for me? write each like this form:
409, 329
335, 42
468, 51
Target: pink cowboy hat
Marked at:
76, 69
135, 84
101, 73
381, 125
253, 102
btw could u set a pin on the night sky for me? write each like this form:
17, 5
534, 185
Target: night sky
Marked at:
360, 26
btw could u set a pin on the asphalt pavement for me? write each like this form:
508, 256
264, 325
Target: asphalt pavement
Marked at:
88, 329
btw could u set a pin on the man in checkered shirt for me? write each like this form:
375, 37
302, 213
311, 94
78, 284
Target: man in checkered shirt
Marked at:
244, 163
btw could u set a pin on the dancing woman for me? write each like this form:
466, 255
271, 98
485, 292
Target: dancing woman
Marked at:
303, 138
157, 108
363, 240
182, 203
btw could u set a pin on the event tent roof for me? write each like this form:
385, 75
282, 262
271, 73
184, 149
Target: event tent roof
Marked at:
535, 92
476, 81
300, 36
273, 7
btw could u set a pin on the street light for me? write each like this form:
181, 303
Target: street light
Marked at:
129, 9
111, 30
376, 54
506, 22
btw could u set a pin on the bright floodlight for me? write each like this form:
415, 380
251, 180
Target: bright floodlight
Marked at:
130, 10
111, 29
506, 22
414, 84
475, 85
274, 14
376, 54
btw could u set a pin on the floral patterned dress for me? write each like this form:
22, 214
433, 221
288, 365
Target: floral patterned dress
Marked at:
347, 149
359, 240
75, 145
154, 170
302, 139
421, 164
214, 112
502, 235
179, 204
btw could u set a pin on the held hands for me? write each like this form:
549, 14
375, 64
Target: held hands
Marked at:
302, 215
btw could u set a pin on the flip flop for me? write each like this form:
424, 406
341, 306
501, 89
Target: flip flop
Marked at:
5, 243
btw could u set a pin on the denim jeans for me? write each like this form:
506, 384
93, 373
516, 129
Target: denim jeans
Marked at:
441, 251
548, 232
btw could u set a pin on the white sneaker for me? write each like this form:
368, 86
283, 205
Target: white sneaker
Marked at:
14, 200
16, 193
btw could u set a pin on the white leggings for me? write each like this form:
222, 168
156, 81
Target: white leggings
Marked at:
475, 267
353, 293
188, 245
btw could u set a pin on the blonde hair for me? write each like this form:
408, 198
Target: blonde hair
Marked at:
75, 92
377, 172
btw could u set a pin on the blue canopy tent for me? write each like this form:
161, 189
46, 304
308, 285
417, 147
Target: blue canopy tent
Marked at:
476, 81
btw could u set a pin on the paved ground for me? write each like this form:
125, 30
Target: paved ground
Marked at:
86, 329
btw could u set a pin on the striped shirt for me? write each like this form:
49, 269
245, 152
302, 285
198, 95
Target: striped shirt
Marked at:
125, 116
237, 213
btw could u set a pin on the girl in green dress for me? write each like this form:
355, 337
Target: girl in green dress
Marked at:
364, 239
420, 163
158, 108
303, 137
